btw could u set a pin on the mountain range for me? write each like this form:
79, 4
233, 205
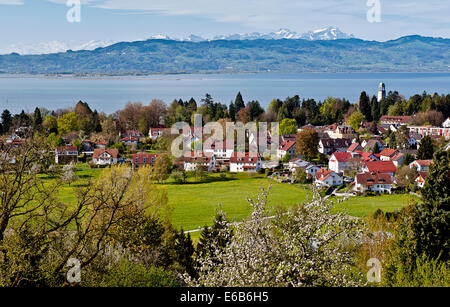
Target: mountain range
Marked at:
161, 56
329, 33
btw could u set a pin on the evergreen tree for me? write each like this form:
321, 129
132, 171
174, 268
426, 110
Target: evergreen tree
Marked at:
232, 111
376, 148
375, 109
37, 119
239, 103
364, 106
214, 237
184, 252
426, 149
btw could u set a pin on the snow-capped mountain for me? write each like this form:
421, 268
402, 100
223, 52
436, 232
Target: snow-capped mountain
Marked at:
330, 33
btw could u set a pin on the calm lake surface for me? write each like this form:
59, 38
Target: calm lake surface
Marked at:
109, 94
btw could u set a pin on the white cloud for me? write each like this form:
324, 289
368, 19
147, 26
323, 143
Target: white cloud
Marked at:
11, 2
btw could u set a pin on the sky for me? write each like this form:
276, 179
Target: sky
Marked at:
43, 23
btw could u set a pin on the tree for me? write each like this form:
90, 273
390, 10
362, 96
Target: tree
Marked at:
184, 251
162, 168
254, 110
426, 149
284, 251
213, 240
405, 176
376, 148
301, 176
356, 119
6, 120
375, 109
408, 159
50, 124
308, 143
68, 123
288, 126
364, 106
37, 119
422, 231
239, 103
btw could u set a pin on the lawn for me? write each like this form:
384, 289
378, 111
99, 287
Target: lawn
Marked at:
363, 206
195, 204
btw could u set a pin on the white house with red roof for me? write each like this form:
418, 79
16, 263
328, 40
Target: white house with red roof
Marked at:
342, 161
144, 159
421, 178
286, 148
220, 149
193, 161
157, 132
373, 182
327, 178
421, 165
244, 162
383, 167
105, 156
66, 154
387, 154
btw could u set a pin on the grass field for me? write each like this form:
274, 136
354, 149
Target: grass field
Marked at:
195, 204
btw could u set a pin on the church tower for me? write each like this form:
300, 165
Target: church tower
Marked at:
381, 92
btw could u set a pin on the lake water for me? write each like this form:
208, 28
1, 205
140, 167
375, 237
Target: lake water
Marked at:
109, 94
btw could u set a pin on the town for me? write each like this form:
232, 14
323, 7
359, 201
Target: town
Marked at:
391, 153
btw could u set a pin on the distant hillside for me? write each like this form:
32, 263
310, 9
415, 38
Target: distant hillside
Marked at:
406, 54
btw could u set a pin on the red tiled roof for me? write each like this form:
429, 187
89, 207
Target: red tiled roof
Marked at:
397, 156
342, 156
353, 147
372, 178
388, 152
381, 166
114, 153
243, 158
424, 162
323, 174
398, 119
286, 145
150, 158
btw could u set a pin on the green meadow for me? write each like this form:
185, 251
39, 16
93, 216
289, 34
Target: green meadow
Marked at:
195, 204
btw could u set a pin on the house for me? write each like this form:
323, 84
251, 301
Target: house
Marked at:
343, 161
105, 156
383, 167
192, 161
368, 145
130, 141
328, 145
395, 120
446, 124
373, 182
421, 178
355, 147
143, 159
289, 137
414, 139
368, 156
398, 159
286, 148
133, 134
220, 149
430, 131
421, 165
327, 178
309, 168
387, 154
66, 155
341, 132
244, 162
157, 132
88, 147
